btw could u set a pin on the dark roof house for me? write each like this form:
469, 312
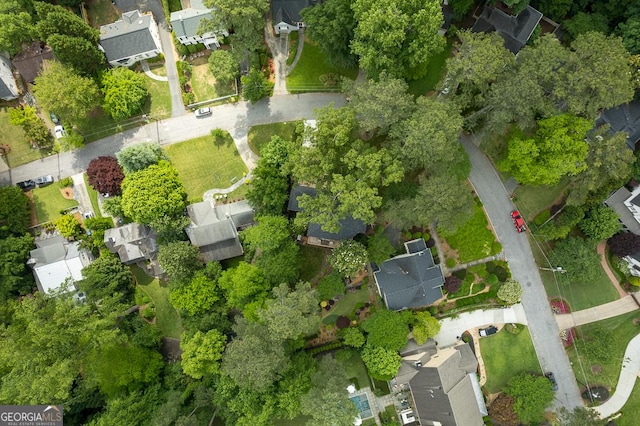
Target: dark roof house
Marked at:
29, 61
443, 384
130, 39
214, 229
132, 243
623, 118
515, 30
286, 14
349, 227
411, 280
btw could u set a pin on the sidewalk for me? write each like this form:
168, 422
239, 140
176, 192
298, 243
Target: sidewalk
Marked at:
597, 313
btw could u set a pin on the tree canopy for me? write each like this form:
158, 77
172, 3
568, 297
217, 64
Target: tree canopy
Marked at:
15, 277
15, 213
600, 223
140, 156
424, 327
105, 175
291, 314
202, 352
386, 329
32, 124
125, 92
349, 258
578, 258
223, 66
196, 296
179, 259
269, 189
381, 363
532, 394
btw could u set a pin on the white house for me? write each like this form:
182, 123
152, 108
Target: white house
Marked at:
186, 22
8, 85
286, 15
130, 39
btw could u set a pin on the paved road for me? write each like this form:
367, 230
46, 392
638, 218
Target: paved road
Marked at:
235, 118
542, 325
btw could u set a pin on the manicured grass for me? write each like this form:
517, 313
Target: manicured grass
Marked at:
101, 12
261, 134
159, 103
346, 305
631, 410
49, 201
204, 84
311, 262
13, 136
98, 124
435, 71
473, 240
531, 200
167, 318
175, 5
293, 46
623, 330
93, 196
305, 77
354, 367
506, 355
215, 166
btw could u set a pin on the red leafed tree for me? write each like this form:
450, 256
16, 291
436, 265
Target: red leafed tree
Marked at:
105, 175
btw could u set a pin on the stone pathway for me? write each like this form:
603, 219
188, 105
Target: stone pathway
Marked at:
208, 196
147, 71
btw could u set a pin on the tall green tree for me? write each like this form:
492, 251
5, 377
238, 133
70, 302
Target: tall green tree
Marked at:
397, 36
197, 296
353, 337
140, 156
349, 258
59, 88
179, 259
32, 124
243, 285
532, 394
381, 363
269, 189
15, 277
630, 33
58, 20
269, 234
125, 92
578, 258
15, 213
201, 353
600, 223
379, 247
291, 314
387, 329
424, 327
77, 52
15, 29
105, 277
255, 86
223, 66
584, 22
69, 226
580, 416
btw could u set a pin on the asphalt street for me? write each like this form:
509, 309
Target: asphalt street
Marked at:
542, 325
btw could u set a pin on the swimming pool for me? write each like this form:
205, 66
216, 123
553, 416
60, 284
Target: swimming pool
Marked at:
362, 402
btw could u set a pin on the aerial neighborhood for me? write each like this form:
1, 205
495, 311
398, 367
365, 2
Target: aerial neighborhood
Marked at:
320, 212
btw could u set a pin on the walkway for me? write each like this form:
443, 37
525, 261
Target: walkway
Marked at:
208, 196
601, 248
499, 256
298, 52
279, 47
597, 313
81, 194
147, 71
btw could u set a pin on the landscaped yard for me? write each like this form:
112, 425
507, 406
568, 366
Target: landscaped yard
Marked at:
631, 410
13, 136
101, 12
215, 166
167, 318
159, 103
355, 368
93, 196
203, 83
346, 305
260, 135
473, 240
506, 355
435, 71
312, 260
305, 77
49, 202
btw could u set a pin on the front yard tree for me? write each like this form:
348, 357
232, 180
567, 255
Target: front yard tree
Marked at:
424, 327
223, 66
578, 258
69, 226
180, 260
15, 277
125, 92
379, 247
269, 189
34, 127
332, 21
255, 86
58, 20
386, 329
349, 258
15, 213
105, 175
397, 36
510, 292
269, 234
532, 394
153, 192
140, 156
580, 416
381, 363
291, 314
379, 104
624, 244
201, 353
600, 223
556, 150
59, 88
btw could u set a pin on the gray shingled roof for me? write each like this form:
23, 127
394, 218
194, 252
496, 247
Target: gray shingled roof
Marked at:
515, 30
287, 10
5, 92
185, 22
623, 118
128, 36
131, 242
49, 250
410, 280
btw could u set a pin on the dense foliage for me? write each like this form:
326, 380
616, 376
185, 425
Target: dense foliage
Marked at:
105, 175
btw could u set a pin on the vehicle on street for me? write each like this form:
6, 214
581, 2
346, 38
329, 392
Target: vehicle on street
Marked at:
59, 131
203, 112
518, 221
54, 118
492, 329
26, 184
43, 180
552, 379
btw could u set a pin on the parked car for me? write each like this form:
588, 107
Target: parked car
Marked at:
203, 112
59, 131
27, 184
43, 180
492, 329
518, 221
54, 118
552, 379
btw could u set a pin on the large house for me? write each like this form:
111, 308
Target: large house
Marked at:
130, 39
214, 229
515, 30
286, 15
57, 263
8, 85
186, 22
349, 227
411, 280
441, 386
623, 118
132, 243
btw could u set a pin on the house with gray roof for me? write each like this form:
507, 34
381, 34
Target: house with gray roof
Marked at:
186, 22
286, 15
515, 30
442, 385
349, 227
214, 228
132, 243
410, 280
130, 39
8, 85
57, 263
623, 118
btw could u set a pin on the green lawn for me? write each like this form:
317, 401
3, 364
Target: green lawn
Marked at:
355, 368
14, 137
506, 355
435, 71
204, 84
214, 166
311, 262
159, 103
531, 200
293, 47
473, 240
346, 305
631, 410
98, 124
623, 330
93, 196
261, 134
305, 77
49, 201
167, 318
101, 12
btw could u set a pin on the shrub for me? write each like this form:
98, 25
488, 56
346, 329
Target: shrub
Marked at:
634, 281
461, 273
490, 266
343, 322
452, 284
496, 247
477, 268
542, 217
416, 235
66, 182
431, 242
148, 312
330, 286
492, 279
483, 274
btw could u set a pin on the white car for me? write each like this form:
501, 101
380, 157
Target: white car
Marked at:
43, 180
59, 131
203, 112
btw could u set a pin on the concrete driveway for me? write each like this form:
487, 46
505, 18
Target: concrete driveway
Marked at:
544, 330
